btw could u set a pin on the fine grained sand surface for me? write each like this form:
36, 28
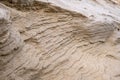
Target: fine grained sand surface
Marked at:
80, 43
97, 9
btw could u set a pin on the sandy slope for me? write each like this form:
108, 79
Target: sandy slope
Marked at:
97, 9
65, 45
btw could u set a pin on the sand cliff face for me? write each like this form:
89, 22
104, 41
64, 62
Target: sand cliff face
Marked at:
60, 40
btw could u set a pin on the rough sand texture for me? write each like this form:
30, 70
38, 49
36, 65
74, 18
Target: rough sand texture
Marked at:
61, 44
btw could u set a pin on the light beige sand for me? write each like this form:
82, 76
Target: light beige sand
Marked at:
63, 45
